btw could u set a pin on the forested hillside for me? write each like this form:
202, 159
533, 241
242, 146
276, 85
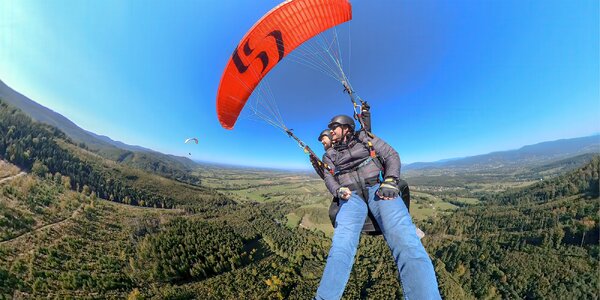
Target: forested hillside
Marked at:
43, 149
534, 242
66, 233
535, 249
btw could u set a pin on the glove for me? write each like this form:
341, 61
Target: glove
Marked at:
343, 193
388, 189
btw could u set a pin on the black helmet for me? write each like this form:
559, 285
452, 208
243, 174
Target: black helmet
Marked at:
341, 120
326, 133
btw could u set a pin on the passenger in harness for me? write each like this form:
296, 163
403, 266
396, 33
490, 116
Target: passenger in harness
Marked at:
355, 180
370, 227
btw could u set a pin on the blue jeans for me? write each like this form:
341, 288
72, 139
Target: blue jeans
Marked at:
414, 265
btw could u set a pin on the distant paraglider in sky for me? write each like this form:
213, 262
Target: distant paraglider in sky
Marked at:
191, 140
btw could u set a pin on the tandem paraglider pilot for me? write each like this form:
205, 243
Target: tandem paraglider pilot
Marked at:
357, 158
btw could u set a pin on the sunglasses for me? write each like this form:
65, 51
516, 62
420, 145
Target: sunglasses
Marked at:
334, 126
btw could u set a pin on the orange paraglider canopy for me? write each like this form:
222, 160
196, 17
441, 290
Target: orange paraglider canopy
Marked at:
274, 36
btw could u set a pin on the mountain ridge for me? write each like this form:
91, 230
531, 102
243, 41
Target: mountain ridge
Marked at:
166, 165
539, 153
536, 154
46, 115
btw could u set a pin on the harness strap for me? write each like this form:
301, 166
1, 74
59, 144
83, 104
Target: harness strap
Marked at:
376, 158
371, 149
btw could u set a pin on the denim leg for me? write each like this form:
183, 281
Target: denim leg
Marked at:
414, 265
346, 235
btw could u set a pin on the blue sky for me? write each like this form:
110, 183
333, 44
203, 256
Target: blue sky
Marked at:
444, 78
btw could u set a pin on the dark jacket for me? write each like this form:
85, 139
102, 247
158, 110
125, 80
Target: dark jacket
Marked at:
353, 166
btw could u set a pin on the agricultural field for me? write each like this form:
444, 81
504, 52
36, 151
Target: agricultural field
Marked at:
499, 186
468, 201
425, 205
266, 185
309, 195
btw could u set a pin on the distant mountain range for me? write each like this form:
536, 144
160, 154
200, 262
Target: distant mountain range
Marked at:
537, 154
531, 155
